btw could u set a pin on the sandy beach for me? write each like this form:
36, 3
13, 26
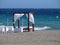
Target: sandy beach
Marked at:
50, 37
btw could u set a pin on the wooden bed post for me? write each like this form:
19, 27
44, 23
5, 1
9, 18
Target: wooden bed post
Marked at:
13, 21
19, 23
28, 23
32, 23
33, 27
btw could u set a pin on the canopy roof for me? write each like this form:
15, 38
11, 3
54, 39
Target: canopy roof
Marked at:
18, 15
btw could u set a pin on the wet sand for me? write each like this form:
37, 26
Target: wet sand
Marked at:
50, 37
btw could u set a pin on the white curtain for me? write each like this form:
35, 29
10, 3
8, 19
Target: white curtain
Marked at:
17, 15
31, 17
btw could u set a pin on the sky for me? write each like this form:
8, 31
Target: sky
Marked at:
29, 3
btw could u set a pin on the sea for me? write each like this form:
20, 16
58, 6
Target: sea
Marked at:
42, 18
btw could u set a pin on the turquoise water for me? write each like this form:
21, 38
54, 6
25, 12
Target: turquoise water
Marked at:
40, 21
